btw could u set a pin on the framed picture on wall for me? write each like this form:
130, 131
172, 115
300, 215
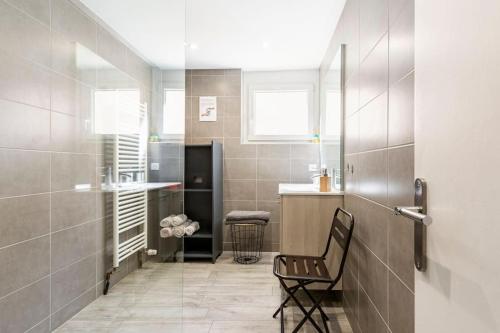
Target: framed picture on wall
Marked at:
208, 108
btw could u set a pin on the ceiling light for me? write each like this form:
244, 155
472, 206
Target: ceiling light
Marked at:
265, 45
193, 46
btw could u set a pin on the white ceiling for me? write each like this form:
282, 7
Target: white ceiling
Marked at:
248, 34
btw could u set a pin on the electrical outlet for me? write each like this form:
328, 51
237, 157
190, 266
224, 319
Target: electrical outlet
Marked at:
313, 167
155, 166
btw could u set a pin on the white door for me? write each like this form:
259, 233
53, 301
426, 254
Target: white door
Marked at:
457, 150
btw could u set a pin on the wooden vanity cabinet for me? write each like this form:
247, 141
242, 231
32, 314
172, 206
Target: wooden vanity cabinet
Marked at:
305, 224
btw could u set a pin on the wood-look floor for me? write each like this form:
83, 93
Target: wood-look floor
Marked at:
195, 298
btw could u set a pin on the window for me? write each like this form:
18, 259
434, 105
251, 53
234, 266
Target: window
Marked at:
173, 114
331, 130
117, 111
279, 107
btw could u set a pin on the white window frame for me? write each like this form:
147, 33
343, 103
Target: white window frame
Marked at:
303, 80
169, 136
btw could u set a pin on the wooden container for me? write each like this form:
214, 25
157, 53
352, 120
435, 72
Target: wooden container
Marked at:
325, 184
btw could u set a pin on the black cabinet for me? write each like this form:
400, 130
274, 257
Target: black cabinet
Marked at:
203, 200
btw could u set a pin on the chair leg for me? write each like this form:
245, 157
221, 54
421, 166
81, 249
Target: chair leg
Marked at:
310, 312
293, 289
324, 317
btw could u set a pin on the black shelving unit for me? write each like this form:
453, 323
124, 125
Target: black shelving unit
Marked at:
203, 200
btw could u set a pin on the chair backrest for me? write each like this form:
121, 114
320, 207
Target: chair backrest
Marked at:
342, 235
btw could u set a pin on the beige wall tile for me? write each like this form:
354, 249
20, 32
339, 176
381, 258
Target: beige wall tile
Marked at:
373, 18
401, 306
232, 85
300, 170
24, 263
373, 124
23, 172
24, 218
373, 276
24, 82
38, 9
401, 112
24, 126
369, 319
273, 169
305, 151
400, 187
71, 309
401, 249
206, 129
351, 95
239, 190
240, 169
230, 205
352, 133
233, 148
68, 19
273, 207
401, 43
232, 127
23, 36
374, 73
72, 281
207, 85
70, 170
109, 48
372, 175
372, 227
232, 106
273, 151
71, 208
73, 244
22, 310
267, 190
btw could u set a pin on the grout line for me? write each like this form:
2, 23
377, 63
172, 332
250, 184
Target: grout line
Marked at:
24, 287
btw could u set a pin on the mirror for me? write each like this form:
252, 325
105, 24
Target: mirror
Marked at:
331, 119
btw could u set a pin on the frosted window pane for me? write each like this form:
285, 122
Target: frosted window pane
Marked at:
117, 111
173, 112
332, 121
284, 112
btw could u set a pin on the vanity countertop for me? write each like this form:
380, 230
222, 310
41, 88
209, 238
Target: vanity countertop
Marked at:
139, 187
304, 189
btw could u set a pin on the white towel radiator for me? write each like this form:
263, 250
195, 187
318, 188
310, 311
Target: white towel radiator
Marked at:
130, 207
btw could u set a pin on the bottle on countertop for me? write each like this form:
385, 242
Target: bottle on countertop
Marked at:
325, 181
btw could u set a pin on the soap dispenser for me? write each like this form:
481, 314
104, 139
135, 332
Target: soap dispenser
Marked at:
325, 181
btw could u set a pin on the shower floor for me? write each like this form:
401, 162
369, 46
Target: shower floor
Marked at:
195, 298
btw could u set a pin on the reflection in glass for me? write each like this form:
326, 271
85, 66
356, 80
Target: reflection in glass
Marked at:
331, 117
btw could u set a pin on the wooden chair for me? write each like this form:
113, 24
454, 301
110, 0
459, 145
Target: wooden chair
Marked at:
305, 270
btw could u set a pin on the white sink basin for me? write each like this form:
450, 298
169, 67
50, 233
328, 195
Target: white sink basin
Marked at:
304, 189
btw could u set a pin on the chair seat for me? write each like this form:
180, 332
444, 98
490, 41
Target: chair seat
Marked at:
294, 267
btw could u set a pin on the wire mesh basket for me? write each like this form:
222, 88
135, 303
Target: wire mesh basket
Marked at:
247, 242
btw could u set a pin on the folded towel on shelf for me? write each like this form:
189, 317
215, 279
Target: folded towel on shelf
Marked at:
167, 221
179, 231
179, 220
173, 220
243, 215
191, 228
166, 232
260, 222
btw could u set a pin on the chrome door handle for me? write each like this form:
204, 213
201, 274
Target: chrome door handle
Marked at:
413, 213
418, 214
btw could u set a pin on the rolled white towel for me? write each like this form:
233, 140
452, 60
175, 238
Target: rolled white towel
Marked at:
179, 231
167, 221
166, 232
192, 228
179, 220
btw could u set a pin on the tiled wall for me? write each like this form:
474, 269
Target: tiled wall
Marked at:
379, 278
251, 172
52, 238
